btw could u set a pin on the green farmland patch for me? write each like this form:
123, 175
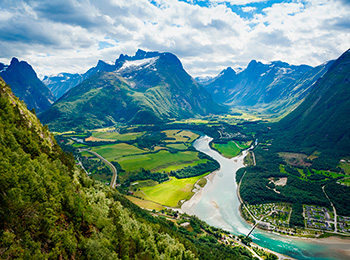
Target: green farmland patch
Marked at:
229, 149
114, 151
86, 154
158, 161
183, 136
171, 192
146, 204
180, 146
116, 136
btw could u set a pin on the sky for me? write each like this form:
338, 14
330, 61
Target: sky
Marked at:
207, 36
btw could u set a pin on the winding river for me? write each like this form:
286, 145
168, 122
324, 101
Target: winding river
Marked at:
218, 205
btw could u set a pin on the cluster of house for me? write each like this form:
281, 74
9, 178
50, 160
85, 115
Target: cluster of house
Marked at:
344, 224
318, 217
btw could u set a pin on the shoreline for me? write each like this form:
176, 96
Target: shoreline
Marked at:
197, 190
344, 239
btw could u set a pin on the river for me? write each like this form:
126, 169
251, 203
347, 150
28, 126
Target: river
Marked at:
218, 205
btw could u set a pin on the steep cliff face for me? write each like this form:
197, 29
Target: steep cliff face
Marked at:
322, 119
27, 86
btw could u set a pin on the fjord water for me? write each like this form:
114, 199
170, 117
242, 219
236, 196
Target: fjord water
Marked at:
218, 205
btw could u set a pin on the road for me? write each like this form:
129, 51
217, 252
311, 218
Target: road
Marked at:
114, 170
254, 161
335, 212
241, 201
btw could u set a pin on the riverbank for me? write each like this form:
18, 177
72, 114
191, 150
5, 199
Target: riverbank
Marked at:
196, 197
218, 205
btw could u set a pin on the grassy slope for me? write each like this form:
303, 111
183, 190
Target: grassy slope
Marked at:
321, 121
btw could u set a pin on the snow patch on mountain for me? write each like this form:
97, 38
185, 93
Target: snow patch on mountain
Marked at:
138, 63
4, 69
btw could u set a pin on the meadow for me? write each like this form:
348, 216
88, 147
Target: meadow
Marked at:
180, 136
229, 149
160, 161
112, 152
169, 193
115, 136
145, 204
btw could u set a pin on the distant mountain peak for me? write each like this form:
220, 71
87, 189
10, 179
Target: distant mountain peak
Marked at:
228, 71
279, 63
100, 63
140, 54
253, 63
14, 61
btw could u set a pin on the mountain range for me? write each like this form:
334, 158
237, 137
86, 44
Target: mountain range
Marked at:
153, 87
270, 89
26, 85
61, 83
147, 88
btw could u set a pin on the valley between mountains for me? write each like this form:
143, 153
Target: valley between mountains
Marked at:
100, 164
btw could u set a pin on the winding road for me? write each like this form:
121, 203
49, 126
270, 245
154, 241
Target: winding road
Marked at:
114, 170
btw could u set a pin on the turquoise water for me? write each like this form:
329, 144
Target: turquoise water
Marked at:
219, 206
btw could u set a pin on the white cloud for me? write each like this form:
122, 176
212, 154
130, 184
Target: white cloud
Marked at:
248, 9
66, 35
238, 2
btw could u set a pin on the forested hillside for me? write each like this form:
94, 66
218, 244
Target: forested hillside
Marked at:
321, 122
50, 210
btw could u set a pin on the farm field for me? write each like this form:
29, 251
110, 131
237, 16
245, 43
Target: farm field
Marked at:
160, 161
113, 152
86, 154
181, 136
307, 175
146, 204
177, 146
158, 151
228, 150
114, 136
171, 192
244, 145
